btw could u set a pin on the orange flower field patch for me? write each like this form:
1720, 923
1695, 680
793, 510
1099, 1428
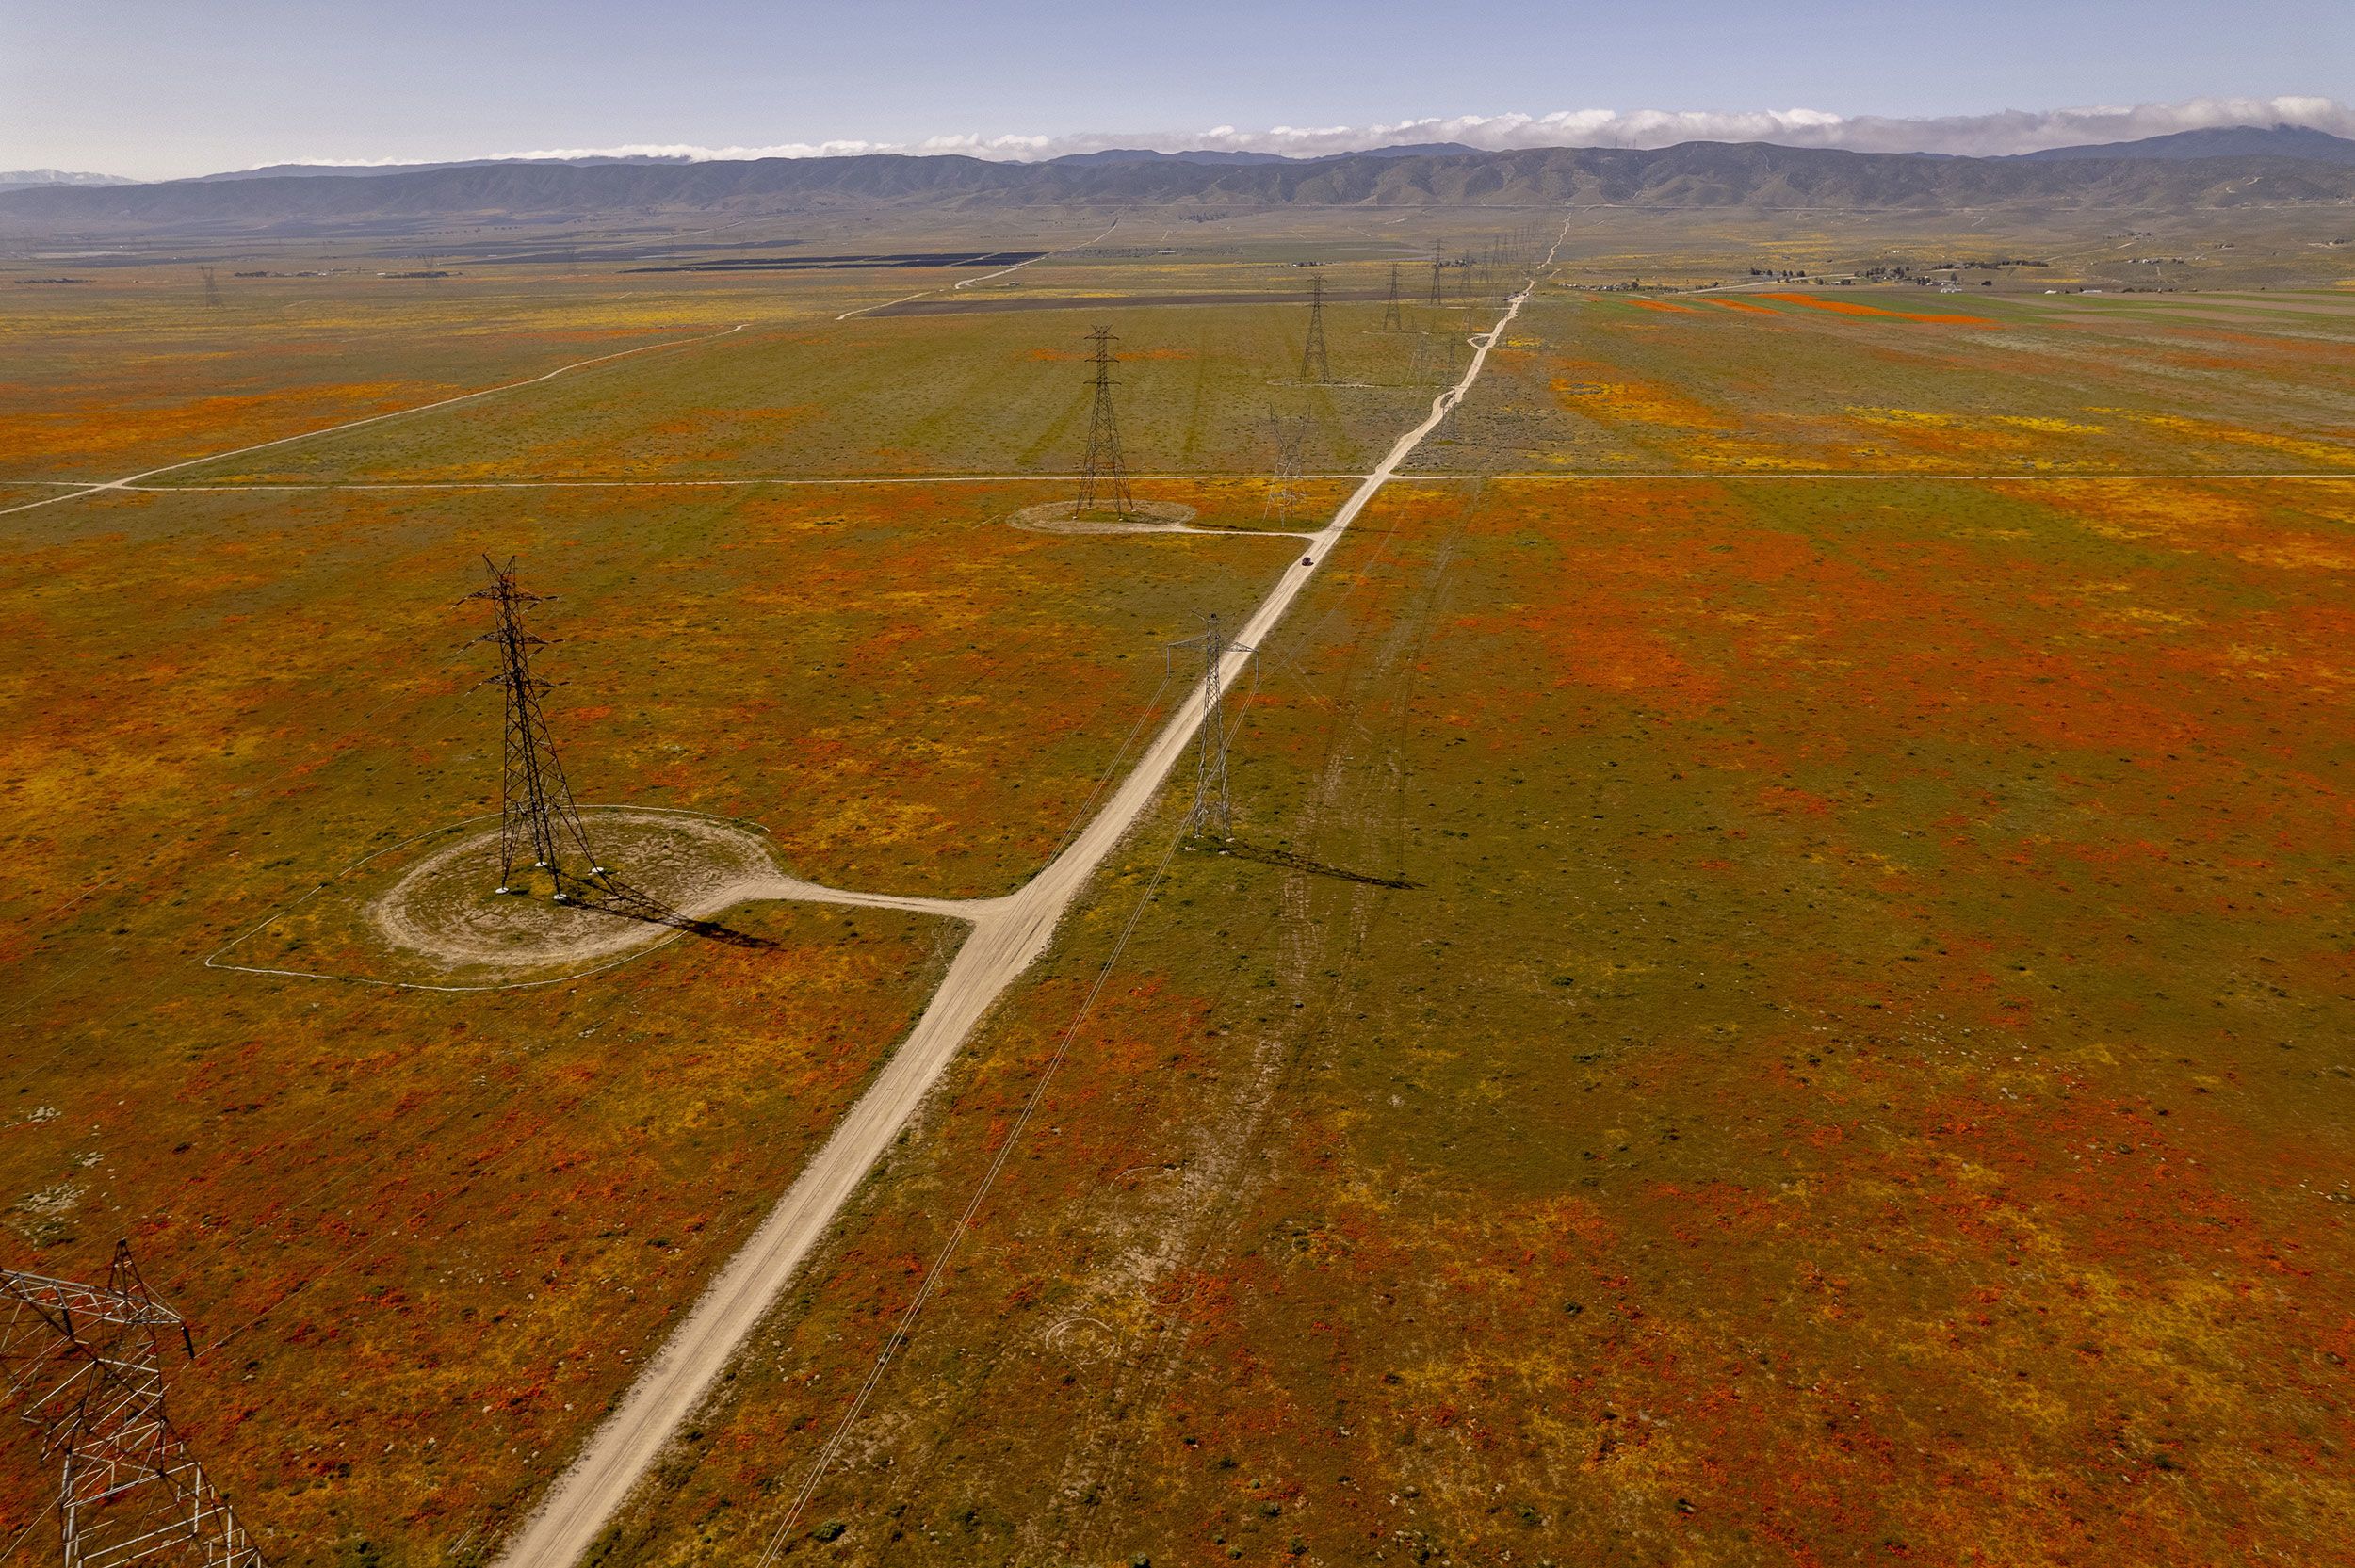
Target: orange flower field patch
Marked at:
1849, 307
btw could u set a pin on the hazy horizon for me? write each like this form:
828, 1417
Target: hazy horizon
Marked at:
155, 92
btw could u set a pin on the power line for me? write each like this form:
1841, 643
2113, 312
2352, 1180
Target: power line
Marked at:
924, 1291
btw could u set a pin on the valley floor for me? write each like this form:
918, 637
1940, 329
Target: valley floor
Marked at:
1779, 993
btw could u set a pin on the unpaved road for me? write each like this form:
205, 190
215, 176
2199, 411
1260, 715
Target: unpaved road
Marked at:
1007, 935
131, 481
923, 293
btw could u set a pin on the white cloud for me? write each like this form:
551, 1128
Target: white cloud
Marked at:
1983, 135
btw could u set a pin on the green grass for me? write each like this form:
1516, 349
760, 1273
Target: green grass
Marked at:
990, 394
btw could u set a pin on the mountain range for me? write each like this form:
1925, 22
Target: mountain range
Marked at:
2239, 167
21, 179
2218, 141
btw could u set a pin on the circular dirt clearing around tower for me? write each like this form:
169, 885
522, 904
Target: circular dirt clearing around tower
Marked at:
1064, 517
677, 866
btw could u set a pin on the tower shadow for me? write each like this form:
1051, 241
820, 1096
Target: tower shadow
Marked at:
1287, 861
609, 895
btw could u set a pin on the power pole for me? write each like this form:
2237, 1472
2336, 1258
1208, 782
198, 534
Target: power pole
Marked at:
1392, 318
1213, 813
82, 1364
1448, 427
1436, 264
1102, 480
1312, 363
536, 812
1289, 434
212, 289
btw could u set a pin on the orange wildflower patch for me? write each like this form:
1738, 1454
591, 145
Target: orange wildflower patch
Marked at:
1849, 307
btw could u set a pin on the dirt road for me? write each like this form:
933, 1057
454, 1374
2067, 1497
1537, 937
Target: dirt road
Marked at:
131, 481
1007, 935
923, 293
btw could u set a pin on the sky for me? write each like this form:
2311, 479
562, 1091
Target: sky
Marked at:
156, 90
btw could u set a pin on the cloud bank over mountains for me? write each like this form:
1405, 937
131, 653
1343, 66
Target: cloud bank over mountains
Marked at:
1976, 135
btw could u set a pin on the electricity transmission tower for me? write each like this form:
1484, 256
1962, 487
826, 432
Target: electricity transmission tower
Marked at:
82, 1364
212, 289
1393, 320
1312, 364
1448, 430
1289, 434
1436, 264
1103, 483
1213, 813
536, 812
1423, 370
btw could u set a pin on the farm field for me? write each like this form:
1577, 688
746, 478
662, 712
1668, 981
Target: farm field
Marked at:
1749, 1019
1860, 1064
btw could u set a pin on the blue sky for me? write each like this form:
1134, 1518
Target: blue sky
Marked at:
149, 89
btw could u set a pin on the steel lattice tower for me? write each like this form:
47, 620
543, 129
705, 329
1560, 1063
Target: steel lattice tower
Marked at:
1456, 392
1289, 434
1393, 319
212, 288
1103, 482
83, 1365
1312, 363
1213, 811
1436, 264
536, 811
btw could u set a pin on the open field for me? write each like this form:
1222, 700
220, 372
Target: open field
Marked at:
1770, 1019
220, 700
811, 659
1882, 381
135, 372
992, 394
1853, 1068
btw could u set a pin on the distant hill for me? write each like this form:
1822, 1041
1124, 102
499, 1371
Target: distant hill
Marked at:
2222, 141
26, 179
367, 170
1414, 150
1143, 154
1237, 160
1693, 175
